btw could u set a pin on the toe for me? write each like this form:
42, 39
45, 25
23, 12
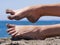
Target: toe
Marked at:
14, 34
11, 17
10, 29
9, 11
11, 32
10, 26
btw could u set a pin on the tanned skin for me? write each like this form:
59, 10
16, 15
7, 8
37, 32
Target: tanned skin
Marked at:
33, 13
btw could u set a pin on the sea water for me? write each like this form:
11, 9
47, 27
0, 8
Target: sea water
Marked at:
3, 26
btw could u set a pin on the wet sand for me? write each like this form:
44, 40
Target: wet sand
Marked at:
47, 41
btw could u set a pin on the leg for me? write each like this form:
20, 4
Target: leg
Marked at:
51, 30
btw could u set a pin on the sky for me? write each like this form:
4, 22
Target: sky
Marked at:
19, 4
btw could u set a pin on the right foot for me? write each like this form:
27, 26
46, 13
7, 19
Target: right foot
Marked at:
24, 31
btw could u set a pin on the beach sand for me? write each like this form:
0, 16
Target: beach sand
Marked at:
47, 41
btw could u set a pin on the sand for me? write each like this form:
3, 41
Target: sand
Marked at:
47, 41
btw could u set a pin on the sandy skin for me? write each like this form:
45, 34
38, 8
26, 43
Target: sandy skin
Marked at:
35, 32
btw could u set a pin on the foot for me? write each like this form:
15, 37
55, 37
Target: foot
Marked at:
32, 13
24, 31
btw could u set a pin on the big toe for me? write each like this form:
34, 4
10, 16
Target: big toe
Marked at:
9, 11
10, 26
